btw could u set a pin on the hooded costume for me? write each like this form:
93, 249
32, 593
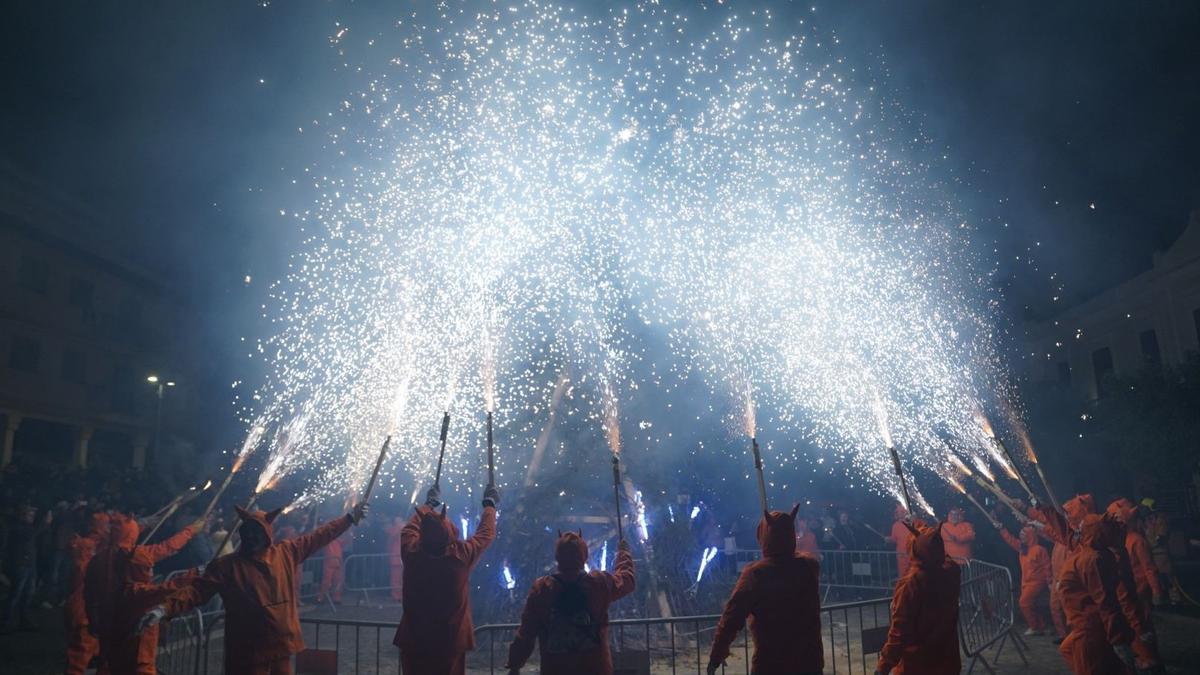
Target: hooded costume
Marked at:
262, 624
1134, 589
117, 592
1088, 585
567, 613
396, 560
1035, 574
435, 630
779, 596
901, 537
1145, 574
81, 644
923, 635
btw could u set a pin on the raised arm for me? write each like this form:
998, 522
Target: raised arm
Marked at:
196, 590
308, 544
169, 546
1013, 542
623, 579
733, 618
485, 534
533, 620
1057, 529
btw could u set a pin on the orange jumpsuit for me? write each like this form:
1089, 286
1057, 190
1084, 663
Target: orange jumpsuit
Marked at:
333, 573
1088, 585
1035, 574
779, 596
1058, 558
599, 590
396, 561
262, 623
435, 629
958, 537
923, 636
130, 651
81, 644
901, 537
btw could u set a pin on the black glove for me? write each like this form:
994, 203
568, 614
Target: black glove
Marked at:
491, 497
433, 498
359, 512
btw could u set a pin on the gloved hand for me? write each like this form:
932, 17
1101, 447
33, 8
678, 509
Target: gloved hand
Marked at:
1125, 653
433, 498
491, 497
713, 666
151, 618
623, 546
359, 512
199, 524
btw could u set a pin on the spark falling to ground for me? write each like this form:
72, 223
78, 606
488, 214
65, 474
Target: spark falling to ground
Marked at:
529, 191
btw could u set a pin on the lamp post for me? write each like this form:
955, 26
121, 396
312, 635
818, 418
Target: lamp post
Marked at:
159, 388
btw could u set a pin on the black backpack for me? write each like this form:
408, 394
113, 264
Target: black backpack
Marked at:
570, 628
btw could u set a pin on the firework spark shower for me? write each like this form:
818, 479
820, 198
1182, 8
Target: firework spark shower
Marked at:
524, 190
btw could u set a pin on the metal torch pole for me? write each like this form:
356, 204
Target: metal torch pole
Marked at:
762, 484
437, 478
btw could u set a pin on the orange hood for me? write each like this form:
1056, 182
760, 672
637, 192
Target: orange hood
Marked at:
1122, 509
570, 551
1077, 507
928, 549
263, 519
437, 531
123, 531
1101, 532
777, 533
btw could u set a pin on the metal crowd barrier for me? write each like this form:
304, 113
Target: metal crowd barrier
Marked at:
844, 574
852, 634
368, 573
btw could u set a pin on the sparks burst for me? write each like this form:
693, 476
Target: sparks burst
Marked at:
521, 191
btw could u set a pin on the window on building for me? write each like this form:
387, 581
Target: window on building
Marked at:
81, 293
24, 354
34, 274
1102, 367
1064, 373
74, 366
1150, 352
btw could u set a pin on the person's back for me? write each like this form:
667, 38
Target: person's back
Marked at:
779, 596
567, 613
1088, 583
923, 636
435, 630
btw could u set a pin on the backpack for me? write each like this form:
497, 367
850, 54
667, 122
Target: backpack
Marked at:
570, 628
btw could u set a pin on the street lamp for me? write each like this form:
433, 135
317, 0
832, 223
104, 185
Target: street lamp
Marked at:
158, 386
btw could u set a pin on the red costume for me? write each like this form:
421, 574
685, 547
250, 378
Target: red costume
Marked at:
957, 538
923, 636
901, 537
779, 595
396, 560
435, 630
1058, 558
1088, 585
81, 644
262, 624
1145, 574
572, 640
118, 585
333, 572
1060, 528
1035, 574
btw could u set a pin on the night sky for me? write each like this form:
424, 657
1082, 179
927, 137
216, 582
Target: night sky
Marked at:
177, 122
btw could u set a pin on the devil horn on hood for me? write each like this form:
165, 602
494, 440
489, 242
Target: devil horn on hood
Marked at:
795, 510
242, 513
272, 515
443, 510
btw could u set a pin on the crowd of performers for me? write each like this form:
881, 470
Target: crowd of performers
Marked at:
1098, 576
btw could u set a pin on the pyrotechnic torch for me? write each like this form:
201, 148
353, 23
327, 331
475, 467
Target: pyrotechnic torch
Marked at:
491, 452
617, 494
378, 463
175, 505
229, 533
900, 474
982, 510
437, 477
1010, 466
1037, 465
762, 484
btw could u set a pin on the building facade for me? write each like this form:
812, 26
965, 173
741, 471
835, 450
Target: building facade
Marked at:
1151, 319
80, 332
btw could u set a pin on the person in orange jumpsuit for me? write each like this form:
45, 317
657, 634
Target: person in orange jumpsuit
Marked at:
1100, 637
923, 635
779, 596
806, 540
82, 646
1035, 576
257, 586
1061, 528
1135, 604
396, 557
901, 538
125, 650
567, 613
958, 535
435, 629
333, 572
1144, 572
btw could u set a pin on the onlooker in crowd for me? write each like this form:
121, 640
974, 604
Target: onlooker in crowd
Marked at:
901, 538
1035, 576
21, 564
958, 535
